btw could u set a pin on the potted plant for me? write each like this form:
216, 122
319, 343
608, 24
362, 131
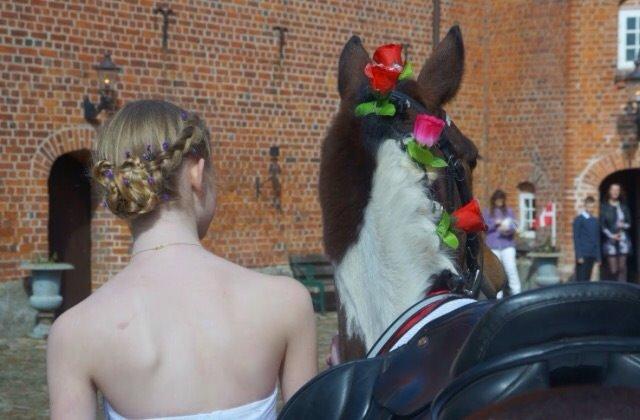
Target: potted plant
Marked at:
545, 264
45, 285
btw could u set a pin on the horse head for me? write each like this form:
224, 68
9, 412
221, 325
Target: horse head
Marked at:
381, 210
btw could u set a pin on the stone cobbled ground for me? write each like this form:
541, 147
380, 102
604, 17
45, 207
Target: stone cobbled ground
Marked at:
23, 382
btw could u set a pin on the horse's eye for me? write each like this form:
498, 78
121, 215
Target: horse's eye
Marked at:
473, 163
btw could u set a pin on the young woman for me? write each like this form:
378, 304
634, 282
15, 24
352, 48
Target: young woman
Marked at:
615, 221
179, 331
501, 237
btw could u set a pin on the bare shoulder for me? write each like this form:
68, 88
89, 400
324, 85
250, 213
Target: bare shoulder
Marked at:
281, 294
80, 326
284, 300
69, 338
279, 289
288, 291
290, 299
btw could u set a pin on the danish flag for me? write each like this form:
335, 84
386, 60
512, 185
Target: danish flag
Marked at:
546, 216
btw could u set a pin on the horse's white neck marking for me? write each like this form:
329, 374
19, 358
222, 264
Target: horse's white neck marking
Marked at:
390, 266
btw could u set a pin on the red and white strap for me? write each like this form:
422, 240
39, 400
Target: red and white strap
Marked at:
413, 319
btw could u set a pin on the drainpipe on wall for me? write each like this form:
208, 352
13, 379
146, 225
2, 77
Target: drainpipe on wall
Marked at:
435, 37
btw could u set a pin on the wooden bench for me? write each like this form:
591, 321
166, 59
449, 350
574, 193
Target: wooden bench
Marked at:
315, 271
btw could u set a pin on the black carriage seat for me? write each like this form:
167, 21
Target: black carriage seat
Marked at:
397, 384
566, 335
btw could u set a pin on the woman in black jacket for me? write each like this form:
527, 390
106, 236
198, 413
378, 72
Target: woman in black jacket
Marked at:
615, 221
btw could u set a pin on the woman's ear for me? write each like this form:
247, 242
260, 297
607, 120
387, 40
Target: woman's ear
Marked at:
196, 176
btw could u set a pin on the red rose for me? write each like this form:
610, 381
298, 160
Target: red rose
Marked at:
389, 55
383, 79
468, 218
385, 70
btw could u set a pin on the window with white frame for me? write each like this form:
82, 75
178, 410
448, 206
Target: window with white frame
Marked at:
527, 205
628, 37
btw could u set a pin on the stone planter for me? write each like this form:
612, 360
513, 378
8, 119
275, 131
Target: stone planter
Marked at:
545, 268
45, 284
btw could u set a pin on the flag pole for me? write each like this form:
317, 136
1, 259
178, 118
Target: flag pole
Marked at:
553, 224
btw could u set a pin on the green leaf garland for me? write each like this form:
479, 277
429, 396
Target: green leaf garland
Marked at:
443, 229
380, 107
424, 156
407, 71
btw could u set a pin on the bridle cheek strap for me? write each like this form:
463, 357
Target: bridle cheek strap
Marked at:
468, 282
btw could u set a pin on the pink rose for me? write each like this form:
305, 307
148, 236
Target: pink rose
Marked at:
427, 129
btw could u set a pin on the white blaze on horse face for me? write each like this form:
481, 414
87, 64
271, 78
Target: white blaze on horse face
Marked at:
390, 266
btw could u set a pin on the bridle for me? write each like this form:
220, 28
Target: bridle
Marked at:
468, 281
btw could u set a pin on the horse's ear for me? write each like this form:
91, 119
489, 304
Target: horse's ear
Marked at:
441, 75
351, 75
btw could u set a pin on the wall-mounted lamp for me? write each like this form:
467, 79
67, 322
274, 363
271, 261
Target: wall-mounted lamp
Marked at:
108, 73
274, 175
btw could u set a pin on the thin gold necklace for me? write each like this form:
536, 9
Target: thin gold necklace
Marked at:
159, 247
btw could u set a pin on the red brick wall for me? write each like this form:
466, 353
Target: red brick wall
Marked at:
222, 63
512, 100
526, 96
594, 105
539, 98
469, 108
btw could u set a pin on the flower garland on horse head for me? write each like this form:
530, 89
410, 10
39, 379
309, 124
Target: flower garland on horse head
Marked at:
384, 72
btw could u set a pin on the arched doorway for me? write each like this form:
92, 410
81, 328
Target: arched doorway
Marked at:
70, 223
629, 180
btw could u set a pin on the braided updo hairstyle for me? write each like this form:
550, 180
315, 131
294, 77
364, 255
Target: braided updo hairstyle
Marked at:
140, 151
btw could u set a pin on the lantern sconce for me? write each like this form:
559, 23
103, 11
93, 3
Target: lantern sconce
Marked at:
108, 73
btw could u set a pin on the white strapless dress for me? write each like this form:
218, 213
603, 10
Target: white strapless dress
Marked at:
258, 410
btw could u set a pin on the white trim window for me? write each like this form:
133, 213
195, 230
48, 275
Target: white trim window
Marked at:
628, 37
527, 206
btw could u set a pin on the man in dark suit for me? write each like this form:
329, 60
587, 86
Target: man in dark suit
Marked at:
586, 240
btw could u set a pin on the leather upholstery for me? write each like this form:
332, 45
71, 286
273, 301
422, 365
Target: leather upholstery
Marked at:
413, 378
552, 313
400, 383
574, 334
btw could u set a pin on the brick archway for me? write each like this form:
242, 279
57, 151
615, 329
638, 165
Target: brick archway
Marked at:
589, 180
110, 237
64, 140
586, 183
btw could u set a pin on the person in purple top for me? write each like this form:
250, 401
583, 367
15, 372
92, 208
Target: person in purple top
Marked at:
501, 237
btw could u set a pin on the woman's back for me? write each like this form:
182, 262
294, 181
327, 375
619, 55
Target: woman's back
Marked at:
179, 331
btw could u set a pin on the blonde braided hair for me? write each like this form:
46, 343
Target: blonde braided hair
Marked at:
140, 151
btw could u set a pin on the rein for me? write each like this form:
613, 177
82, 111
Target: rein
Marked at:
467, 282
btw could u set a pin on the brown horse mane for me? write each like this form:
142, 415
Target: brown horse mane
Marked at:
346, 174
